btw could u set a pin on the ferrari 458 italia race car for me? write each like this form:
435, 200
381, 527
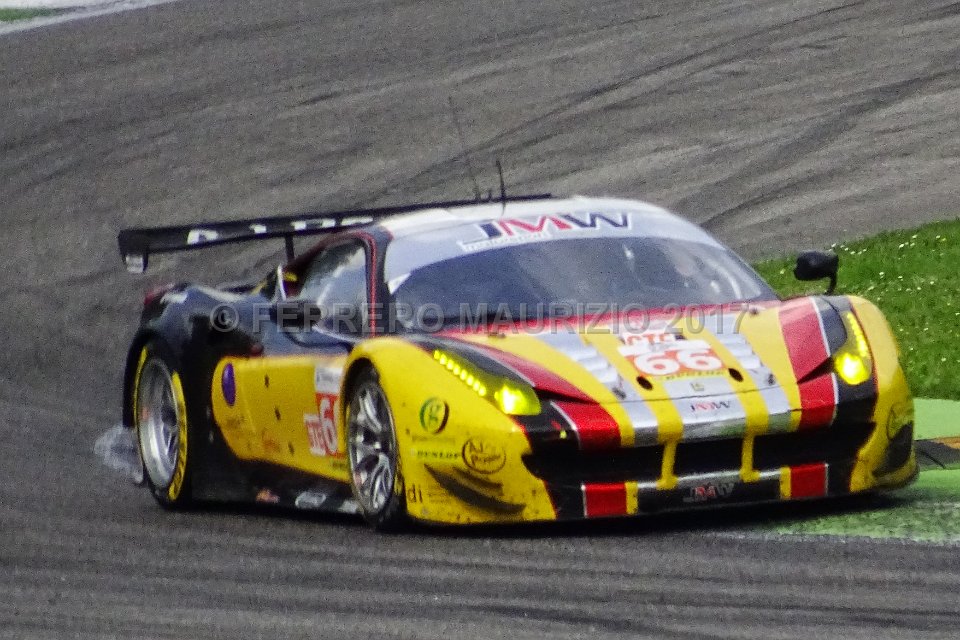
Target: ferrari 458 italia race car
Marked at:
525, 359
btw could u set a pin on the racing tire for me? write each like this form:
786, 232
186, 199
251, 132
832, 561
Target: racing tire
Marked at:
375, 477
162, 426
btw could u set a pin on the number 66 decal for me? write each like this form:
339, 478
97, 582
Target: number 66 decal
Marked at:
674, 361
322, 428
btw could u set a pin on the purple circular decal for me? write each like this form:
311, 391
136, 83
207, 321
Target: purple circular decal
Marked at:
229, 385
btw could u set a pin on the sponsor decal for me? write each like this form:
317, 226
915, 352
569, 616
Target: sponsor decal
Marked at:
647, 339
233, 423
326, 380
322, 428
265, 496
710, 405
314, 499
484, 456
310, 500
228, 383
709, 491
270, 444
201, 235
414, 494
432, 439
436, 455
669, 354
433, 415
508, 231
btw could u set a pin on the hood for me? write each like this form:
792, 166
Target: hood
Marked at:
716, 366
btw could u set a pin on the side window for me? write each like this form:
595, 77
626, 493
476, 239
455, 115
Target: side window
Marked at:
337, 278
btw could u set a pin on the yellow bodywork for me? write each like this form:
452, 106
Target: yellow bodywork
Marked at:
894, 409
276, 405
461, 457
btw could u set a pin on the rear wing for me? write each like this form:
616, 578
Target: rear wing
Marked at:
137, 244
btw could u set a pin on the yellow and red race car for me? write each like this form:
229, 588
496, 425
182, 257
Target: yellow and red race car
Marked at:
526, 359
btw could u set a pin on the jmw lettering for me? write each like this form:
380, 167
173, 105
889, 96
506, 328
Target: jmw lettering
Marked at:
564, 222
713, 405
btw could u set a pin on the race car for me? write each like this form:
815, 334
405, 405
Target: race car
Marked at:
523, 359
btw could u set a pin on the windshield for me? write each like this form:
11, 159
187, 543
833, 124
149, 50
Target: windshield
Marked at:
616, 272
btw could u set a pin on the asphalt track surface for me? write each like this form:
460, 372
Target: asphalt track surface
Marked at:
778, 125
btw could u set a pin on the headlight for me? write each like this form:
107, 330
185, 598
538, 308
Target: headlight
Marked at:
512, 398
517, 400
853, 362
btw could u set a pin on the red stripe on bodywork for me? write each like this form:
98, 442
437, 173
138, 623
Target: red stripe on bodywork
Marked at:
803, 335
541, 378
607, 499
596, 428
819, 401
808, 481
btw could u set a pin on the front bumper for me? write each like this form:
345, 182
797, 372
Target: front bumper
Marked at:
575, 485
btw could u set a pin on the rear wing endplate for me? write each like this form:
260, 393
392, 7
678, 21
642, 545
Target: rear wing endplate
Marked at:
137, 244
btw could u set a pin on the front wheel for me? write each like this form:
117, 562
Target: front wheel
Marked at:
374, 461
162, 430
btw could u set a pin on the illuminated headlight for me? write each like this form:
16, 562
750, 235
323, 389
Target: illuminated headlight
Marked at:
512, 398
517, 400
853, 362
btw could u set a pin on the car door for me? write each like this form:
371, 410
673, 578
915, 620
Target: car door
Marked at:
285, 403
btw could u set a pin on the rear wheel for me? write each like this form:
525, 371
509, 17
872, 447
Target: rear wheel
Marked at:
374, 460
162, 429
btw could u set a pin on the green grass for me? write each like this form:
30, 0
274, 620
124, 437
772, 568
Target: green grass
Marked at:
912, 276
927, 510
9, 15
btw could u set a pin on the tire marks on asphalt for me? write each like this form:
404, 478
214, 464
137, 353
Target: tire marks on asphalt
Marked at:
207, 109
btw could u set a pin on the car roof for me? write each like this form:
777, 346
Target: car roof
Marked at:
437, 219
424, 237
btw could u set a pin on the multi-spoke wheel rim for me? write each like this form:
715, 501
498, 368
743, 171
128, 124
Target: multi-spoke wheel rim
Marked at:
372, 447
158, 423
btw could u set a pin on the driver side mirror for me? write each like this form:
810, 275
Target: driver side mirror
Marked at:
817, 265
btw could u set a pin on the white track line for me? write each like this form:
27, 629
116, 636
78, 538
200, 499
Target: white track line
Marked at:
52, 4
79, 9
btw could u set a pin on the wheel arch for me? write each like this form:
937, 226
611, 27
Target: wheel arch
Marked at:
140, 340
355, 367
392, 514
